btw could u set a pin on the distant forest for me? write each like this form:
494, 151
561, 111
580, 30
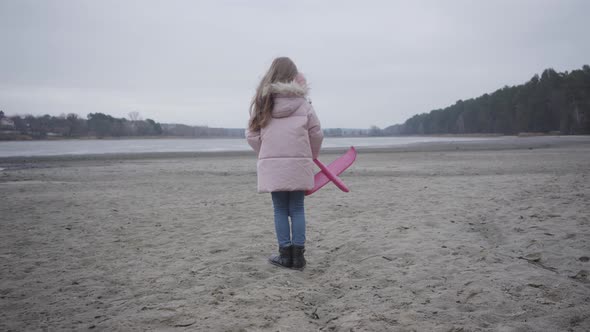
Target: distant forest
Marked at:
99, 125
553, 103
557, 103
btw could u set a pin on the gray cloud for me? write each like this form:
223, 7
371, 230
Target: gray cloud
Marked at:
371, 62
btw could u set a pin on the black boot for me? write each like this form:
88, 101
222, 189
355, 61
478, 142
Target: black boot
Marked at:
298, 259
284, 259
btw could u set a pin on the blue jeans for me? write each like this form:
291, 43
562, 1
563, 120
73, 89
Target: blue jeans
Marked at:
289, 204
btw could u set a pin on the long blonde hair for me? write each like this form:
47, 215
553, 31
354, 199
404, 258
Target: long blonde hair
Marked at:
281, 70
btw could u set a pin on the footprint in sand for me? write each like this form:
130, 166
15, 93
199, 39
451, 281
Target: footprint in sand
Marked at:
581, 276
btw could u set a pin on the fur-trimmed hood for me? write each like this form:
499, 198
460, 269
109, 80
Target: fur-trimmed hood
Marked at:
296, 88
288, 97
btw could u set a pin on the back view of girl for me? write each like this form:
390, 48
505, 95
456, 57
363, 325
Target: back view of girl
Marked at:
285, 133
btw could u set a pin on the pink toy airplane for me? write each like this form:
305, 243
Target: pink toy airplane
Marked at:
331, 172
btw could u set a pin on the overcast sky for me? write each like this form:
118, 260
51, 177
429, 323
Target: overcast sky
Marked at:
198, 62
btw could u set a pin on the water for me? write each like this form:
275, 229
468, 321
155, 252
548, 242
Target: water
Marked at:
110, 146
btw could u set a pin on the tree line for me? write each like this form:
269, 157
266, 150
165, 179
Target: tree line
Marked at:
102, 125
73, 126
99, 125
552, 103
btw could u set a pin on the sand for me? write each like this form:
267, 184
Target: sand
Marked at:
465, 238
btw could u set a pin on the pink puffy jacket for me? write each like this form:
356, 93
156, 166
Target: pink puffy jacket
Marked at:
287, 145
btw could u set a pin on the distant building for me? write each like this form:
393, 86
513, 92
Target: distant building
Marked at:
175, 129
6, 123
345, 132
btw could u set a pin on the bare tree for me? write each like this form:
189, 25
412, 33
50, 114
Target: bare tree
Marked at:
134, 116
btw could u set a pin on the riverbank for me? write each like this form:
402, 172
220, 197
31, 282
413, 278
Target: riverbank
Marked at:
483, 237
190, 148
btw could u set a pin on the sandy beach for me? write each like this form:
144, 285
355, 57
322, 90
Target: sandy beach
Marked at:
446, 238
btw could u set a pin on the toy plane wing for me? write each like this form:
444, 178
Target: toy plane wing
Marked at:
331, 172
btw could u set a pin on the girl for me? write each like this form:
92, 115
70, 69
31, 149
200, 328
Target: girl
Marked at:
285, 133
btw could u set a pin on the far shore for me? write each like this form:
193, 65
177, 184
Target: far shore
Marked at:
499, 143
114, 138
26, 138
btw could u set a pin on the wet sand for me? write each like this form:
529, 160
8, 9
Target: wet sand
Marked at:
430, 238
